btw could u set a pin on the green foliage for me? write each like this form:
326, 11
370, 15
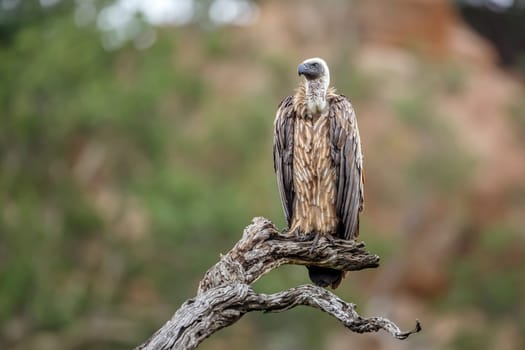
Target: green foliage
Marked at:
216, 44
352, 82
517, 117
439, 162
471, 340
448, 77
491, 279
89, 136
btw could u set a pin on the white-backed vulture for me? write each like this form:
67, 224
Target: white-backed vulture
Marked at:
319, 164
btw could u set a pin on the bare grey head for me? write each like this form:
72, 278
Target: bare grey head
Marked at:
315, 69
316, 80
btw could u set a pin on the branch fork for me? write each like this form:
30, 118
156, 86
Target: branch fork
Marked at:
224, 294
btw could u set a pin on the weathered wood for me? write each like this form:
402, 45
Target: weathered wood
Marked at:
224, 294
263, 248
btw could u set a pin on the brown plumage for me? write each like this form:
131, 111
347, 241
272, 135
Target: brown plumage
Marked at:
318, 163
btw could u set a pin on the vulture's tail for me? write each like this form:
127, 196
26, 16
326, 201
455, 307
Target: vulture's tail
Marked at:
325, 276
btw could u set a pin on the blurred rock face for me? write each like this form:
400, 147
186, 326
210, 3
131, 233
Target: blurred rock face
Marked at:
406, 23
429, 27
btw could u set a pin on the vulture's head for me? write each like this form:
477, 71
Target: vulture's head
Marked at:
315, 69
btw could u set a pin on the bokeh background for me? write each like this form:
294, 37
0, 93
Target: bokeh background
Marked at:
135, 145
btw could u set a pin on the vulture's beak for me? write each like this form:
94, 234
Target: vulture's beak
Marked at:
302, 69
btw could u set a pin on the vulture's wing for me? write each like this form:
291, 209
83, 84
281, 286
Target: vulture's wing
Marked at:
348, 163
283, 154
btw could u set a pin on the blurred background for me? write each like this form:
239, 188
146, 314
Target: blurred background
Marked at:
136, 144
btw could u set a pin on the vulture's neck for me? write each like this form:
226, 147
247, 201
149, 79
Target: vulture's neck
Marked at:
315, 93
310, 99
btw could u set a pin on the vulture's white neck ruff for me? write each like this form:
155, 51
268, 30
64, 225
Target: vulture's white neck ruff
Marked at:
316, 96
316, 91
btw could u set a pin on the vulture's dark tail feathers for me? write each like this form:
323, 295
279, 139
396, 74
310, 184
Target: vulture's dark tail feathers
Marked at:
324, 276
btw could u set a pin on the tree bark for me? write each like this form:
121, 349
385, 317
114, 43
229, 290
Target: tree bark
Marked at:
224, 294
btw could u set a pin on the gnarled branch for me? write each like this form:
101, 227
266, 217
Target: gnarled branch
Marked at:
224, 294
263, 248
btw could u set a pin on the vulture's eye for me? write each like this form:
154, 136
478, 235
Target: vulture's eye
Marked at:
315, 65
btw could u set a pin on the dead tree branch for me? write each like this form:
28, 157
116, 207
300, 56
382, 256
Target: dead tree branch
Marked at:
263, 248
225, 295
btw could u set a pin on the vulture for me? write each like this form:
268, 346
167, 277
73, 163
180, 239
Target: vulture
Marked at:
319, 165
